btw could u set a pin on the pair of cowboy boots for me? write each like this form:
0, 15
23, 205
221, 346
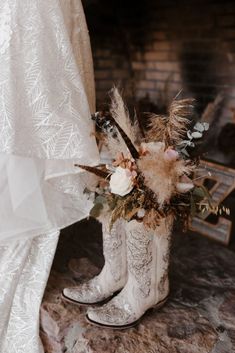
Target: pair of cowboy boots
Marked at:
134, 277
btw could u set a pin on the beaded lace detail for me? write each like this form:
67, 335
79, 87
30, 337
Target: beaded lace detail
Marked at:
118, 311
140, 259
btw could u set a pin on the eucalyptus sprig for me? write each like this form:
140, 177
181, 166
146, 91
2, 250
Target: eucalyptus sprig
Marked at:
194, 134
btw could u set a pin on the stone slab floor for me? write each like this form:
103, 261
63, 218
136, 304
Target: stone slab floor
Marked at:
198, 318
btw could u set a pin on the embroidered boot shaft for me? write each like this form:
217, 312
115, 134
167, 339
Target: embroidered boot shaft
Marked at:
113, 276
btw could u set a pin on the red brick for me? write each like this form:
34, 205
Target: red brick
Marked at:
138, 65
145, 84
102, 74
161, 46
102, 53
104, 85
138, 56
175, 86
228, 33
157, 75
150, 65
120, 74
222, 8
155, 56
167, 66
140, 93
100, 95
177, 76
140, 75
226, 21
152, 94
105, 63
159, 35
149, 46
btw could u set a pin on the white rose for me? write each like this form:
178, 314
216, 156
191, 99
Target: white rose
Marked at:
121, 182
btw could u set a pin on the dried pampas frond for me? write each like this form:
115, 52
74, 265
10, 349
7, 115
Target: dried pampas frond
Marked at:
171, 130
120, 114
179, 117
211, 109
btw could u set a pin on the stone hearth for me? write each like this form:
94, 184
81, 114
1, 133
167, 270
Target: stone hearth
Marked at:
198, 318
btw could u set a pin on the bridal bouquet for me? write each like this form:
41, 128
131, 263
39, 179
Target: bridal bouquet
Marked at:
149, 177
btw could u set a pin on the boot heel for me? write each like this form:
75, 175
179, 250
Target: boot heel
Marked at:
160, 304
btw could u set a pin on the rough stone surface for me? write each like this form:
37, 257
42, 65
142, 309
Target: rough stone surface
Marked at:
198, 318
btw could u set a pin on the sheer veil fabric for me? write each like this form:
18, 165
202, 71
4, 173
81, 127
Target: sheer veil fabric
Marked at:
46, 97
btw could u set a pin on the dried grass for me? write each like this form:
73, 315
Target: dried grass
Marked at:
171, 129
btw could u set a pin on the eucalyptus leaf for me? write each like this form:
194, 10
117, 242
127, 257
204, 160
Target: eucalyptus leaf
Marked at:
184, 142
196, 135
185, 152
199, 192
206, 126
96, 210
199, 127
100, 200
113, 203
191, 144
189, 134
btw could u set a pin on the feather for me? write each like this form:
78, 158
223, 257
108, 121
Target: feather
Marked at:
122, 121
100, 173
114, 136
115, 145
209, 113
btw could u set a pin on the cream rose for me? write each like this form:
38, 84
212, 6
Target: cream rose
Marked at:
121, 182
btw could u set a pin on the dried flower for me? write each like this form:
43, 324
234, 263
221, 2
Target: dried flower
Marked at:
150, 180
121, 181
171, 155
162, 170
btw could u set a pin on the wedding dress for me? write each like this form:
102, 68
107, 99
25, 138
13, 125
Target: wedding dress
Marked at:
46, 98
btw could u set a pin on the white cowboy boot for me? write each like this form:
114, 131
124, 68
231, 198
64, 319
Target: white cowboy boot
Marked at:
113, 276
147, 285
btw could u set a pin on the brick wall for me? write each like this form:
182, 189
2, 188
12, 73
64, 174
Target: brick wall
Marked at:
157, 48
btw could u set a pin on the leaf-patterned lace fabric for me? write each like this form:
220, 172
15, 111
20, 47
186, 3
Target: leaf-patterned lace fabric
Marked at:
46, 80
5, 27
46, 98
25, 267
